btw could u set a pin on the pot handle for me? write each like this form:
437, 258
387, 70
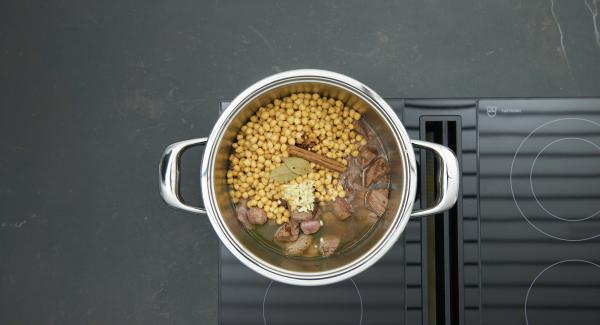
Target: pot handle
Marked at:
447, 178
168, 174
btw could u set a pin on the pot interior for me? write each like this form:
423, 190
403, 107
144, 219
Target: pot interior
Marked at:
375, 116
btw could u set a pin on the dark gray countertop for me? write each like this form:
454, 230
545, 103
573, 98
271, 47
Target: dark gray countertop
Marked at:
92, 92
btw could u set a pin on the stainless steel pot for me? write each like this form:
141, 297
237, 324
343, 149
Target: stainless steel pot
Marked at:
304, 271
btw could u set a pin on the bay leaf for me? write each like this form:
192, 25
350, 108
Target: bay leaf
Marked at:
297, 165
282, 174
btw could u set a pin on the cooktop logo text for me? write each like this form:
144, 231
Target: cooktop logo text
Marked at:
493, 110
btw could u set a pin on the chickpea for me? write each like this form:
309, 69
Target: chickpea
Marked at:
263, 141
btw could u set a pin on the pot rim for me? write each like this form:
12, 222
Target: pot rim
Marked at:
374, 253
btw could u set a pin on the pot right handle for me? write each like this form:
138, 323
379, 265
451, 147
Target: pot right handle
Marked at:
447, 178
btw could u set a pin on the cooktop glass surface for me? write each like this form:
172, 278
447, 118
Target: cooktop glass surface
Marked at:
540, 211
373, 297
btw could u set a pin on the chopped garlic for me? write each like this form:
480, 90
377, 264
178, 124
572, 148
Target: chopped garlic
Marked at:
300, 195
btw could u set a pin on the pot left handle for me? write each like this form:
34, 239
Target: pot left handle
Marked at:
168, 174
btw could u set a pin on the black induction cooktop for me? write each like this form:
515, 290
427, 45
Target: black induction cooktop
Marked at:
521, 246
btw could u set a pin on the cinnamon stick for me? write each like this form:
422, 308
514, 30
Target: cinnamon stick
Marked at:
316, 158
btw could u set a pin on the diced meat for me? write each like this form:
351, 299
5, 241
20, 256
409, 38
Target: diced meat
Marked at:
381, 182
257, 216
352, 177
377, 200
340, 208
302, 216
328, 245
315, 210
328, 217
287, 232
375, 170
242, 214
359, 128
365, 156
299, 246
373, 142
310, 226
371, 218
372, 215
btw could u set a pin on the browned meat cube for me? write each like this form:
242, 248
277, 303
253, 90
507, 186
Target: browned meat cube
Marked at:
287, 232
377, 200
364, 216
310, 226
242, 214
371, 218
352, 177
299, 246
257, 216
359, 128
375, 170
365, 156
341, 208
302, 216
328, 245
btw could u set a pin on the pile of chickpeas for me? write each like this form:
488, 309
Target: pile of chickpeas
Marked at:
302, 118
